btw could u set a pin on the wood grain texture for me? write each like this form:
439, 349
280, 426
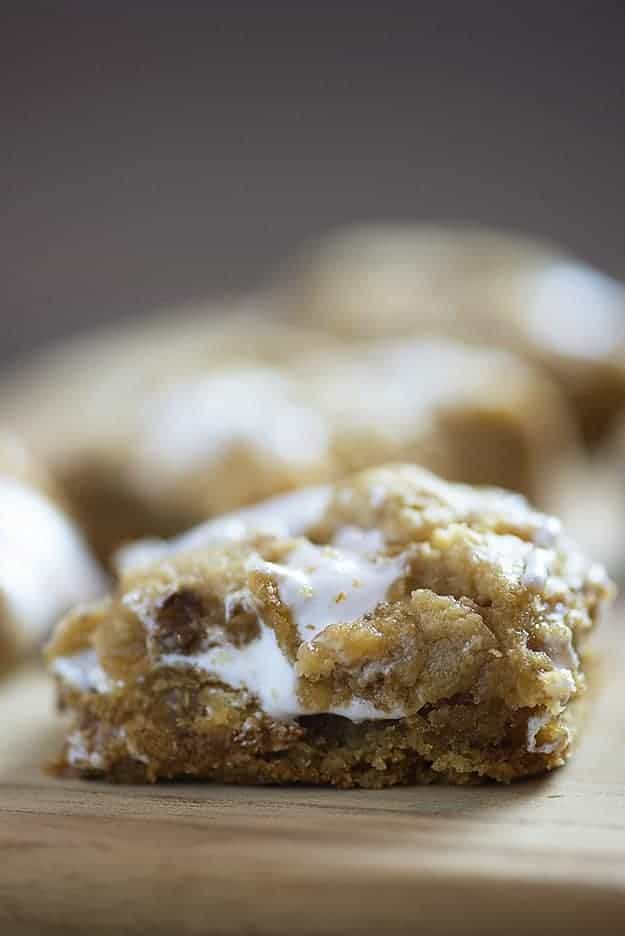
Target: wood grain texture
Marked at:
545, 856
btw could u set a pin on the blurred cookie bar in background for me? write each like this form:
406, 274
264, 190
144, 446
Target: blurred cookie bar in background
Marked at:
224, 437
45, 566
483, 286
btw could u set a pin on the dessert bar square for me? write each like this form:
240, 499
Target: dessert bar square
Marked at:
389, 629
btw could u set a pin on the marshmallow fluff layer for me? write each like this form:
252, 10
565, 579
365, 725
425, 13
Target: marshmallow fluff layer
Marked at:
320, 585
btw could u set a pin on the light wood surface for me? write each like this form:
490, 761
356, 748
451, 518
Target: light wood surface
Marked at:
545, 856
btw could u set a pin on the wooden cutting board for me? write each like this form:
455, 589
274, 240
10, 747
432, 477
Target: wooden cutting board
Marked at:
545, 856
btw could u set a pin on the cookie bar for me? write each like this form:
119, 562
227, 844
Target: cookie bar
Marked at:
45, 567
476, 284
215, 442
390, 629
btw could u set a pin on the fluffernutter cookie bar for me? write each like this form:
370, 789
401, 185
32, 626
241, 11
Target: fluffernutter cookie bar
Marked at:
390, 629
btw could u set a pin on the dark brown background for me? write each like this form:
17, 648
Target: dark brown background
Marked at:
161, 152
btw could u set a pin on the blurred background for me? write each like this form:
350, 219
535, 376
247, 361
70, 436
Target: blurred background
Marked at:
162, 152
